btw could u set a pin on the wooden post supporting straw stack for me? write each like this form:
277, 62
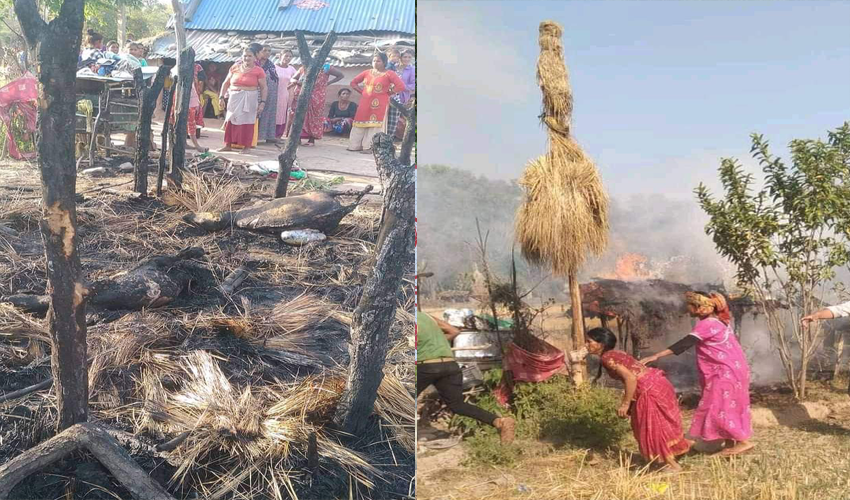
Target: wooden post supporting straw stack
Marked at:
564, 216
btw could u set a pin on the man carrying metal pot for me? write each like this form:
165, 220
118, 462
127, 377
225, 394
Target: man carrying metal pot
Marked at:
435, 364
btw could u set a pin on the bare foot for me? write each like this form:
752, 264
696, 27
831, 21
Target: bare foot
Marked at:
225, 149
367, 151
244, 151
672, 466
507, 429
353, 150
738, 449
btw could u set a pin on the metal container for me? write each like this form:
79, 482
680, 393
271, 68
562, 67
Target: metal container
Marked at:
472, 376
487, 344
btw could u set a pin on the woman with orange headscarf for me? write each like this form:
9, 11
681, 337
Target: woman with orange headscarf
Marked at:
724, 408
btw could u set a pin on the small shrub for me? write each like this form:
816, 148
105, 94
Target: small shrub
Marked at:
484, 448
585, 417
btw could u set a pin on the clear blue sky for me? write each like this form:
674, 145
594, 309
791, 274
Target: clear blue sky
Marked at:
662, 89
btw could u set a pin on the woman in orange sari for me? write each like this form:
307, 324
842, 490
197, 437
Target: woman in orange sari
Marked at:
378, 85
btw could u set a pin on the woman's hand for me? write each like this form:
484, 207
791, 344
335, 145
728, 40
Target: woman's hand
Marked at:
647, 360
623, 410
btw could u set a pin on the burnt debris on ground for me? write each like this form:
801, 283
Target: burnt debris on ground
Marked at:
229, 347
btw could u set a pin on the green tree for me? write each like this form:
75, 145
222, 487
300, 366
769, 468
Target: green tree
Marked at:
145, 18
788, 238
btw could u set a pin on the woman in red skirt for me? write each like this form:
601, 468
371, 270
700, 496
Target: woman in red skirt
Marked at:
649, 400
243, 82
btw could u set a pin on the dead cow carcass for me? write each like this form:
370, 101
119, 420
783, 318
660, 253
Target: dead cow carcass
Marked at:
316, 210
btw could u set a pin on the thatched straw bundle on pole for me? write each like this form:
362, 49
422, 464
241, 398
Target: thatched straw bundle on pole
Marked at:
564, 216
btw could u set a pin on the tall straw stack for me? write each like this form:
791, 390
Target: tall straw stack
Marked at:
564, 216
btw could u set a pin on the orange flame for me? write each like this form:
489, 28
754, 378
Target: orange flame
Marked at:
630, 267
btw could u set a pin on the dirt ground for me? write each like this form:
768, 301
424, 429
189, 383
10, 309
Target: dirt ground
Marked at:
147, 356
328, 158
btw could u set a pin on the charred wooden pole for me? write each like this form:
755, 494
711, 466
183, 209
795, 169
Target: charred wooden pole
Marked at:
314, 65
185, 80
375, 311
147, 103
409, 131
166, 133
59, 44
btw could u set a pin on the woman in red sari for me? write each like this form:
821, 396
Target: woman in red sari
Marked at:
649, 399
379, 85
314, 122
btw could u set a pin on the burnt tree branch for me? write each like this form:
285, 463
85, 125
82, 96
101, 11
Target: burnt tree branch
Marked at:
287, 158
26, 390
163, 151
96, 440
376, 309
183, 89
409, 134
22, 37
147, 104
30, 20
303, 49
58, 49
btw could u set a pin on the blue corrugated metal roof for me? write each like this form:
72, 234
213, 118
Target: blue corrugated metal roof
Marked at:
342, 16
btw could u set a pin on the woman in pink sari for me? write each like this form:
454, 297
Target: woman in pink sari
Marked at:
724, 409
649, 399
285, 72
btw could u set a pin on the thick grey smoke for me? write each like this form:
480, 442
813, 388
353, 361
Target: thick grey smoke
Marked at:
668, 232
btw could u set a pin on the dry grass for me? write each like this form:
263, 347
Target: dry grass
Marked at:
552, 75
263, 434
138, 339
565, 212
206, 193
394, 406
807, 462
23, 338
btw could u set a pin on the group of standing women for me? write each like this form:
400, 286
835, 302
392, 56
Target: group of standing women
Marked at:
650, 401
260, 99
256, 99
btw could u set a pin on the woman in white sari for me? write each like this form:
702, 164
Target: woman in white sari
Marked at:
240, 87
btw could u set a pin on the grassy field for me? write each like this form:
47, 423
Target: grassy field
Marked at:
800, 459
